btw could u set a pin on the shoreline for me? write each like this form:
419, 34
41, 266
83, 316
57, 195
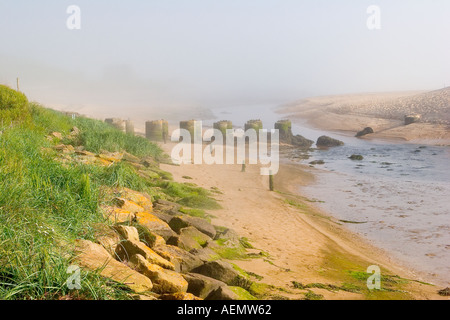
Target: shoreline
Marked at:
297, 236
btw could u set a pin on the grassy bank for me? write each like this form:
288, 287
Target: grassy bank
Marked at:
45, 203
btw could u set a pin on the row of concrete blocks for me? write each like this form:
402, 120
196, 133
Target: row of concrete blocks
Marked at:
158, 130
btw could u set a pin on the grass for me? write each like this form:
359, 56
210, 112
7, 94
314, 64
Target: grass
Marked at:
45, 205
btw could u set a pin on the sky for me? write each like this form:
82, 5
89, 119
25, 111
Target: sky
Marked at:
162, 55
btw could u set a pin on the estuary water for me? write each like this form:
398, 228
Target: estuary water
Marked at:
397, 197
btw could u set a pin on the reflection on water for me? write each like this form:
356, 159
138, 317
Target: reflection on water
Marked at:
399, 191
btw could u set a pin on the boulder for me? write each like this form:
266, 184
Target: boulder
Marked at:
219, 270
95, 258
222, 293
179, 222
163, 216
205, 254
302, 142
106, 237
179, 296
184, 242
128, 249
181, 259
413, 118
127, 232
356, 157
117, 215
128, 205
327, 142
192, 232
164, 281
141, 199
202, 286
364, 132
167, 207
155, 225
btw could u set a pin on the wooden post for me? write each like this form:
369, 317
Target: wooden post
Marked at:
18, 88
271, 181
243, 166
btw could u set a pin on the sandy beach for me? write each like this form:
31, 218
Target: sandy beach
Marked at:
383, 112
302, 243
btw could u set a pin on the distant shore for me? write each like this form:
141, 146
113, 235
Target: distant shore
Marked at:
382, 112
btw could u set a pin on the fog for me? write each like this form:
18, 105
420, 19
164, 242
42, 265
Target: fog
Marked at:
171, 58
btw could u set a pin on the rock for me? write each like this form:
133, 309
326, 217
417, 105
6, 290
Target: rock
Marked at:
179, 296
302, 142
181, 259
128, 249
141, 199
127, 232
111, 156
57, 135
316, 162
95, 258
106, 237
219, 270
364, 132
413, 118
155, 225
184, 242
163, 216
164, 281
222, 293
327, 142
64, 148
357, 157
130, 158
444, 292
130, 206
117, 215
205, 254
202, 286
192, 232
167, 207
179, 222
229, 238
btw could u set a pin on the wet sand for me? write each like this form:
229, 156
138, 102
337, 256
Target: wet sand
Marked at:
304, 243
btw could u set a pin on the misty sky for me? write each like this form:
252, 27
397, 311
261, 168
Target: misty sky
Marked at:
159, 54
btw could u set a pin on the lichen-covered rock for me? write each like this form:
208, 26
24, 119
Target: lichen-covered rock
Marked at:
117, 215
127, 232
179, 222
139, 198
164, 281
155, 225
192, 232
95, 258
128, 205
126, 249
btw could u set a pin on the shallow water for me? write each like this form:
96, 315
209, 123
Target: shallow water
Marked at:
399, 192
